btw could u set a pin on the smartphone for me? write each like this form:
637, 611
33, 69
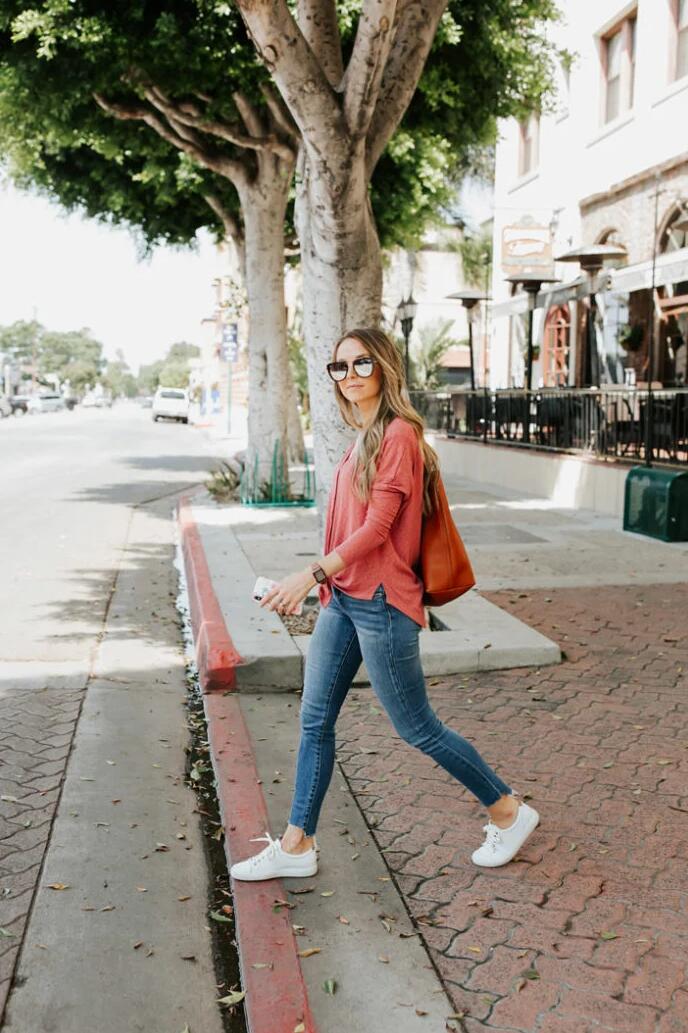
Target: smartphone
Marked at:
263, 586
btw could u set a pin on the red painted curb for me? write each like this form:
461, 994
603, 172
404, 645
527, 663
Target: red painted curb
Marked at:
216, 655
276, 998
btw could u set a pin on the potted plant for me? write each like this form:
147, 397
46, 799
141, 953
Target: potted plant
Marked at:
631, 336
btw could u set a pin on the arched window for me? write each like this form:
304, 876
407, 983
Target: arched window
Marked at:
556, 343
673, 236
610, 236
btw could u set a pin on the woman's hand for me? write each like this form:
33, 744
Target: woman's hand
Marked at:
286, 596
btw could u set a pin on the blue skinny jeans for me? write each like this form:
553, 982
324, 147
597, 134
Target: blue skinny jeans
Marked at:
346, 631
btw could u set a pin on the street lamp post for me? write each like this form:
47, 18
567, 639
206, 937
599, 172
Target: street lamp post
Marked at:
406, 313
591, 260
469, 298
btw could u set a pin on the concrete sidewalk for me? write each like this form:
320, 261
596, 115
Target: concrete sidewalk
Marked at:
239, 544
126, 944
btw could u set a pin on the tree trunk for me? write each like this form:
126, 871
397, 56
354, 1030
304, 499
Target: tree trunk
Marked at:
264, 204
342, 289
295, 443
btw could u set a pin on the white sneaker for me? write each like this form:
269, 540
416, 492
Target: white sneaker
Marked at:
502, 844
273, 863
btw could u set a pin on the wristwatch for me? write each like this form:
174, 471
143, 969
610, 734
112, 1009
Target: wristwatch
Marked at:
318, 573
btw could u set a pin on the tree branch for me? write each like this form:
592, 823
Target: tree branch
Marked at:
366, 66
231, 225
417, 22
294, 67
224, 166
320, 28
280, 113
189, 115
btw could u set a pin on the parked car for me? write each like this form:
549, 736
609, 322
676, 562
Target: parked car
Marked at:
96, 400
171, 403
5, 407
46, 402
20, 404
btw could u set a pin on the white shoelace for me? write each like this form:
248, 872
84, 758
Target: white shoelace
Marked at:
269, 851
494, 835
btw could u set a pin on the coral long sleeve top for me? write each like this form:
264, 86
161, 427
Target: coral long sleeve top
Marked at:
380, 540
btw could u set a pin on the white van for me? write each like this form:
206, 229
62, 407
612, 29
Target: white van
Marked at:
171, 403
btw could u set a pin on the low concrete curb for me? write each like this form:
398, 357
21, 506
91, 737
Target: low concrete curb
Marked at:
276, 999
476, 634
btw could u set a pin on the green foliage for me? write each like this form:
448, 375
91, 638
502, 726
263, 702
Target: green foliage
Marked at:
434, 340
74, 355
119, 379
172, 371
488, 61
55, 138
476, 258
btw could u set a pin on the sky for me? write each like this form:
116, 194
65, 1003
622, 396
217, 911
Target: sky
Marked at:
78, 273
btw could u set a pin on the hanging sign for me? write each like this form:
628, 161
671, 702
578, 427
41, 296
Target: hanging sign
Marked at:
527, 249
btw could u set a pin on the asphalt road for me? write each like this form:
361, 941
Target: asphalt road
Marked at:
68, 483
93, 733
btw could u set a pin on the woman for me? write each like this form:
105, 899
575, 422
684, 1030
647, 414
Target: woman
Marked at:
371, 609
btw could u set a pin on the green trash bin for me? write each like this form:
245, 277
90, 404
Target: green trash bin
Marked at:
656, 503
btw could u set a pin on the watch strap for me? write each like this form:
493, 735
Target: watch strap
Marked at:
318, 573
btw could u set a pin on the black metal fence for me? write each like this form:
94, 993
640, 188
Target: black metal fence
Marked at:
605, 422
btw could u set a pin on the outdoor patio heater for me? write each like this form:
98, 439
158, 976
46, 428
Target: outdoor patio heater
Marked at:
531, 285
591, 259
469, 298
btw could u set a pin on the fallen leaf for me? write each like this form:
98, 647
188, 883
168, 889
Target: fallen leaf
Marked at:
160, 848
233, 998
187, 897
327, 893
299, 1028
419, 1011
262, 964
8, 799
330, 986
150, 952
383, 959
309, 952
609, 936
5, 932
58, 886
188, 957
139, 943
476, 950
343, 920
304, 889
108, 907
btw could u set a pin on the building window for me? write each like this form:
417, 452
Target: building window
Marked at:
681, 66
529, 145
618, 53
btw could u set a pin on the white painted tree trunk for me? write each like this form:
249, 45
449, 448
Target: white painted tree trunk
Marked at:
264, 206
295, 442
342, 289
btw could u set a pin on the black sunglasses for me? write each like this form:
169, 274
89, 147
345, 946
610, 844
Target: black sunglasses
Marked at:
363, 367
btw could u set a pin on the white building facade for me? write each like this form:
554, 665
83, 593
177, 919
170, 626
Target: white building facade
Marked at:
608, 165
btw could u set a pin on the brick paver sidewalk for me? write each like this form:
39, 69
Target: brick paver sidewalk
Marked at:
588, 928
36, 729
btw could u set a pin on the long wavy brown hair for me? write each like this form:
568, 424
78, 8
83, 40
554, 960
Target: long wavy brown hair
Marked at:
394, 401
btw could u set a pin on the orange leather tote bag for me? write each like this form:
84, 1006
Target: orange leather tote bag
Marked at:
445, 568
